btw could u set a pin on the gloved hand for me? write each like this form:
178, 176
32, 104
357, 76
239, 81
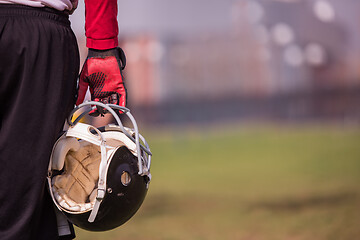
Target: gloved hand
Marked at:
102, 72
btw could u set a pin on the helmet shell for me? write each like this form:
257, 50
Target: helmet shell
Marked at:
125, 192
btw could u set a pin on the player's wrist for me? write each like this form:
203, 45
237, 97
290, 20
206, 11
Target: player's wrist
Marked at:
102, 53
116, 52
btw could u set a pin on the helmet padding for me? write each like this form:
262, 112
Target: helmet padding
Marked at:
76, 186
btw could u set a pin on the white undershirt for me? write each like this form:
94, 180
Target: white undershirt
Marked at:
60, 5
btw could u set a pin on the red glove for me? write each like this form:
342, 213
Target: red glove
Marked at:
102, 72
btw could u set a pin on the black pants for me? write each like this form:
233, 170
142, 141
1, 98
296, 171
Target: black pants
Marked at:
39, 64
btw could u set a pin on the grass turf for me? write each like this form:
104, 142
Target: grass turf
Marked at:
249, 182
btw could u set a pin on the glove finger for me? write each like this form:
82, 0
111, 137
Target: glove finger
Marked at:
118, 99
113, 99
99, 110
122, 99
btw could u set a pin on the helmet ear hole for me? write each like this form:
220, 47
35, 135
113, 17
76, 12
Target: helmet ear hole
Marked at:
125, 178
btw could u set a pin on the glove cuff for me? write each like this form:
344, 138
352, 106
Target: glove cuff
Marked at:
117, 52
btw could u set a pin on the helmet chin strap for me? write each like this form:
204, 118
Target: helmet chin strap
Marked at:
102, 179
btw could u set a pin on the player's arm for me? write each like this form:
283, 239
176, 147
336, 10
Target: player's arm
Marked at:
102, 70
101, 26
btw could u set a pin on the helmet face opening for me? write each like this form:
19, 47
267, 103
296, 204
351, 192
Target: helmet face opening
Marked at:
99, 177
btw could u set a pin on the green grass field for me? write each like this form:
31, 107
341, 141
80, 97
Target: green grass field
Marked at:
249, 182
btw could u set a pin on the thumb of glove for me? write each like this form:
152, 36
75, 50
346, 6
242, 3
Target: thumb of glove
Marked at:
82, 86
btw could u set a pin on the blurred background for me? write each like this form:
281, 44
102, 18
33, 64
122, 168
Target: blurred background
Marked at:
252, 111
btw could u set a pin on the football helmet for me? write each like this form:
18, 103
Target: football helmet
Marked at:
99, 177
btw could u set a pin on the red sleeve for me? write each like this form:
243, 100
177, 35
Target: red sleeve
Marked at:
101, 26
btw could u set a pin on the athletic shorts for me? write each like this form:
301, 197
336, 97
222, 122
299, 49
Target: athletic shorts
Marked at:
39, 65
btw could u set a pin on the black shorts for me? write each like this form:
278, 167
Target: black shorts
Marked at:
39, 65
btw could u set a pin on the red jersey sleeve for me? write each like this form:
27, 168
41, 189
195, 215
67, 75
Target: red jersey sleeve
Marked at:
101, 26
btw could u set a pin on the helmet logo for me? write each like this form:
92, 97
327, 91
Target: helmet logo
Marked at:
125, 178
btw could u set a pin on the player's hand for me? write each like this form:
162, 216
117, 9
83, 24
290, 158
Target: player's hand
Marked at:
102, 72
